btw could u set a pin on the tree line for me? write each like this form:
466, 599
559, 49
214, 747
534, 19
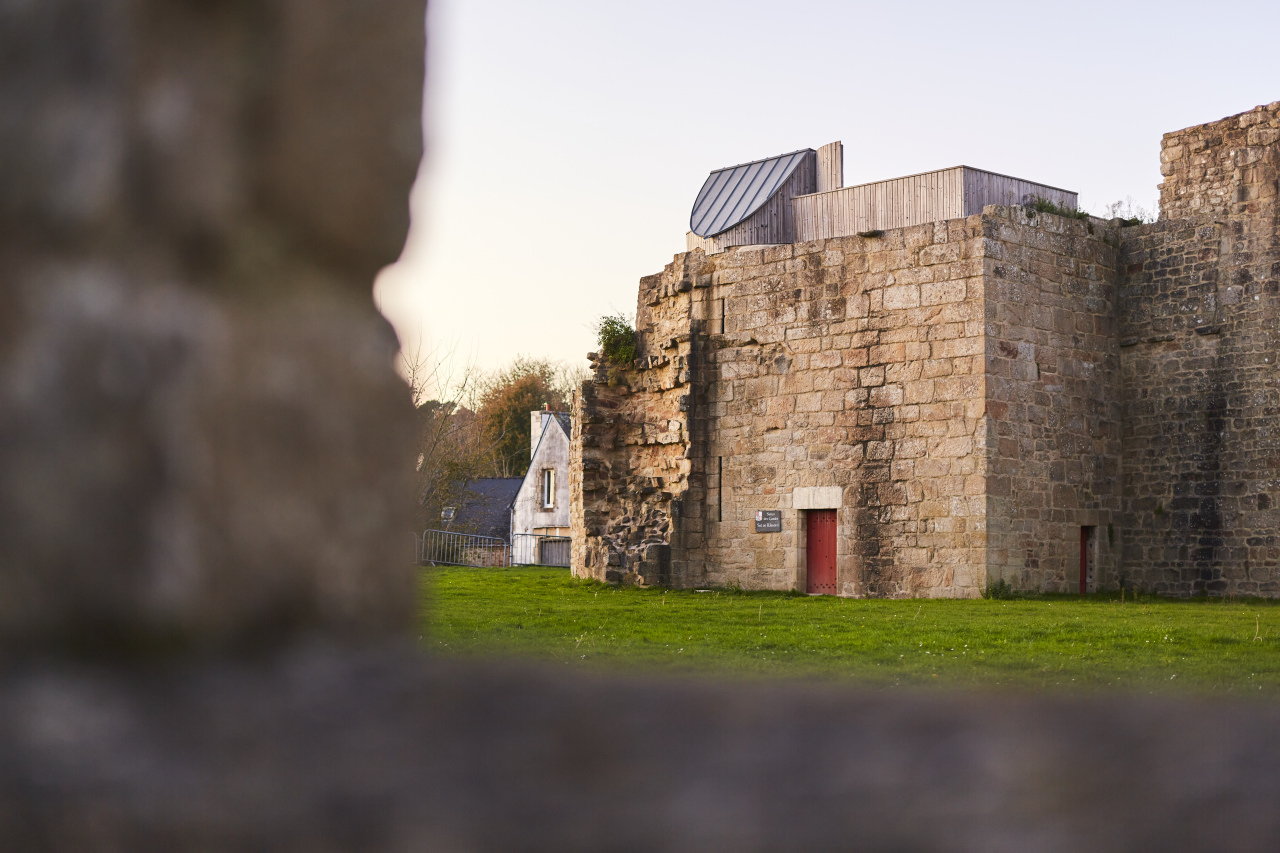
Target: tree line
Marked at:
477, 426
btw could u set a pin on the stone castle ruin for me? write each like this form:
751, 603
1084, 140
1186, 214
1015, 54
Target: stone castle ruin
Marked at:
967, 393
208, 613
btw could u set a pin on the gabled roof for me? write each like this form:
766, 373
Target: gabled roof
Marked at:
731, 195
565, 422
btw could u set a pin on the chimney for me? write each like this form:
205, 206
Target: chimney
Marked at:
535, 430
830, 167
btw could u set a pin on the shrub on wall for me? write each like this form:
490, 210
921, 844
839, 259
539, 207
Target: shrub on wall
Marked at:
617, 339
1044, 205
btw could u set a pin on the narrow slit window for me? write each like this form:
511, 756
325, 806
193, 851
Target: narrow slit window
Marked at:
719, 488
1088, 558
548, 488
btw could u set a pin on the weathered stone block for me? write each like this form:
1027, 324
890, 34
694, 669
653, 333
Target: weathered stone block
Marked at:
204, 436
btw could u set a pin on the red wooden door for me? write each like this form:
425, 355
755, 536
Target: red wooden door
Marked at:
820, 551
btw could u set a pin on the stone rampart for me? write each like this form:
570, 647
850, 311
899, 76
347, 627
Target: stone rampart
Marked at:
1053, 401
1019, 397
1224, 167
1199, 315
1199, 312
630, 465
853, 366
878, 376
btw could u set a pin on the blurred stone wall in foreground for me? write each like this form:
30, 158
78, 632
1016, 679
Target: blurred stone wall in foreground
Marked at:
202, 440
205, 590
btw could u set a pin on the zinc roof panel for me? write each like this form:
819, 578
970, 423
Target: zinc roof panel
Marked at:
755, 185
730, 195
710, 192
737, 197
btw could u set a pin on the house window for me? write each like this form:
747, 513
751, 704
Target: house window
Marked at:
548, 488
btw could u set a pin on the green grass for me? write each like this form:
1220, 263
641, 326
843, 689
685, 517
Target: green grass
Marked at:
1059, 642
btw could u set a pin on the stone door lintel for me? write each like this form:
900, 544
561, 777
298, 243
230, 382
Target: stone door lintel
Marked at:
817, 497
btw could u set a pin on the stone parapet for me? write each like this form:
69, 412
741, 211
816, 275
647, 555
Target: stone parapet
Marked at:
1226, 167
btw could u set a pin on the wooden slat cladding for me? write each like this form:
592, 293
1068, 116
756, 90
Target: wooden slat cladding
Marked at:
830, 167
913, 200
773, 222
707, 244
989, 188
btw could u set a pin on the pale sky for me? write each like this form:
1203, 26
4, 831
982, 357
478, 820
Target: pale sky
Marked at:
567, 140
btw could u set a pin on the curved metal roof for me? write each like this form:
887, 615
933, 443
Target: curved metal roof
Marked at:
731, 195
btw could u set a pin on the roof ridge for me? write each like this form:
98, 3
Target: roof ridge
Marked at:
763, 159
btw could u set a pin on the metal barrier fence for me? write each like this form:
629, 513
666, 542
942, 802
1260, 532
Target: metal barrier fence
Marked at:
528, 549
445, 548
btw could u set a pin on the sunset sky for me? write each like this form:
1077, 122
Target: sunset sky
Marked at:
567, 140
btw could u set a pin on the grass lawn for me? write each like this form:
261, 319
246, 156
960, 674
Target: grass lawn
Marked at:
1051, 642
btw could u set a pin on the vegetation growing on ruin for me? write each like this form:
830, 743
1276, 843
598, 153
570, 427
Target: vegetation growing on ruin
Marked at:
617, 339
1000, 590
1043, 205
1056, 643
1130, 213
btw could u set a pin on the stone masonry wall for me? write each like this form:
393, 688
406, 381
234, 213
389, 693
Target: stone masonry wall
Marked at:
1200, 316
1224, 167
629, 468
1200, 337
1053, 397
973, 397
848, 376
851, 374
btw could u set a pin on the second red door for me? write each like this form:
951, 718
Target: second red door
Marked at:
820, 551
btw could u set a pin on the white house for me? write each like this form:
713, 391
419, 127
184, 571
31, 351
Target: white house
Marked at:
541, 506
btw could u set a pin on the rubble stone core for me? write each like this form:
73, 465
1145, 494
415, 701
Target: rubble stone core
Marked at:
982, 394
